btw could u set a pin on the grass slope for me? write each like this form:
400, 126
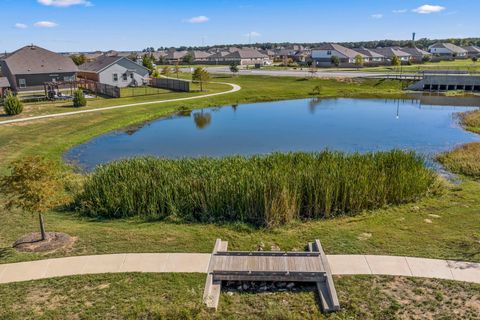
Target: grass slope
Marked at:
170, 296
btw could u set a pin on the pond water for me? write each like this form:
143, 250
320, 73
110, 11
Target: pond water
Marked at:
298, 125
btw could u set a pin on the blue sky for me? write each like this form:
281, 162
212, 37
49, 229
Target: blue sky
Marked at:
83, 25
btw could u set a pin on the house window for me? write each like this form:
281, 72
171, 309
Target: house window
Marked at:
329, 53
22, 83
125, 77
131, 76
115, 77
68, 78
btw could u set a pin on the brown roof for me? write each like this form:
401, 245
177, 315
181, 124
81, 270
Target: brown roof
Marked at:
35, 60
349, 53
246, 54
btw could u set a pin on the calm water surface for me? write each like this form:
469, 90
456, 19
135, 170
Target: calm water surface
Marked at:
299, 125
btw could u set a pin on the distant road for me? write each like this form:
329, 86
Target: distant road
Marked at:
297, 73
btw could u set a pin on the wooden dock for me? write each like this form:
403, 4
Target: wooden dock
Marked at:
311, 266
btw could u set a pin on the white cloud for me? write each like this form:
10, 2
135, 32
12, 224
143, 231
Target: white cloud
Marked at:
199, 19
400, 11
428, 8
377, 16
64, 3
21, 26
45, 24
253, 34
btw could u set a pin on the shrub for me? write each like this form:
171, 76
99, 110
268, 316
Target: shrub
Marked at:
12, 105
79, 99
474, 59
262, 190
463, 160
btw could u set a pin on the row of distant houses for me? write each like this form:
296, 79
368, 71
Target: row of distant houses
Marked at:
321, 55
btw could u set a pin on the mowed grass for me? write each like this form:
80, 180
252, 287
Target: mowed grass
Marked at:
463, 160
179, 296
446, 226
129, 96
265, 191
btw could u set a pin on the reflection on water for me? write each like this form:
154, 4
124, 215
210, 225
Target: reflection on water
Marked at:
350, 125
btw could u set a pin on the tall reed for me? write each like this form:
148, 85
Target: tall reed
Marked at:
262, 190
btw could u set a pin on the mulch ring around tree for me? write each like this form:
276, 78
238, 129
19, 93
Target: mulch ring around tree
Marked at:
54, 241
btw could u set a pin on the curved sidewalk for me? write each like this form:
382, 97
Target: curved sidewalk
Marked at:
235, 88
198, 263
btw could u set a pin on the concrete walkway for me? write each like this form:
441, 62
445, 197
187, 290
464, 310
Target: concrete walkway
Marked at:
198, 263
235, 88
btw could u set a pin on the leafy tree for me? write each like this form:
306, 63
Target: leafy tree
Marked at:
234, 68
426, 58
34, 186
148, 63
201, 76
359, 61
166, 71
188, 59
474, 59
79, 99
177, 69
79, 59
155, 73
396, 61
335, 61
12, 105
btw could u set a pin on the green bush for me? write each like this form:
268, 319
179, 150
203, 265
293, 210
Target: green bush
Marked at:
262, 190
12, 105
79, 99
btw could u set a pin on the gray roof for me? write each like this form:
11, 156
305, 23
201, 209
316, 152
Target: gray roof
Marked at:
175, 55
449, 46
99, 64
414, 51
36, 60
200, 54
4, 83
349, 53
390, 52
369, 53
246, 54
472, 49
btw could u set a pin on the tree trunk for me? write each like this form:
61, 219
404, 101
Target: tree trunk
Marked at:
42, 227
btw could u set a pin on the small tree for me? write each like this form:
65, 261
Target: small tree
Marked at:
12, 105
79, 99
79, 59
201, 76
147, 63
155, 73
359, 61
234, 68
177, 69
335, 61
396, 61
166, 71
188, 59
426, 58
474, 59
35, 186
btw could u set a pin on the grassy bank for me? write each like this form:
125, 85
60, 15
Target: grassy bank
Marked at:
471, 121
156, 296
463, 160
262, 190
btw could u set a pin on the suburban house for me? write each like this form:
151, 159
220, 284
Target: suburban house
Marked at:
323, 55
247, 57
30, 67
472, 51
371, 57
416, 55
448, 50
200, 56
175, 56
116, 71
390, 52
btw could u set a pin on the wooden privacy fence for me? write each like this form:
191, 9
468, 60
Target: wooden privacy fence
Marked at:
170, 84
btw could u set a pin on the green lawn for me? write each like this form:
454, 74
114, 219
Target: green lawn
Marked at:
179, 296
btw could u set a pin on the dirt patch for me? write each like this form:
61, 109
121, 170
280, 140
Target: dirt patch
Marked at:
54, 241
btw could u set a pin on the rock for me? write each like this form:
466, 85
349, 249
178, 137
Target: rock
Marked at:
415, 208
290, 285
364, 236
263, 288
275, 248
245, 286
428, 221
434, 216
230, 293
240, 288
281, 284
261, 247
